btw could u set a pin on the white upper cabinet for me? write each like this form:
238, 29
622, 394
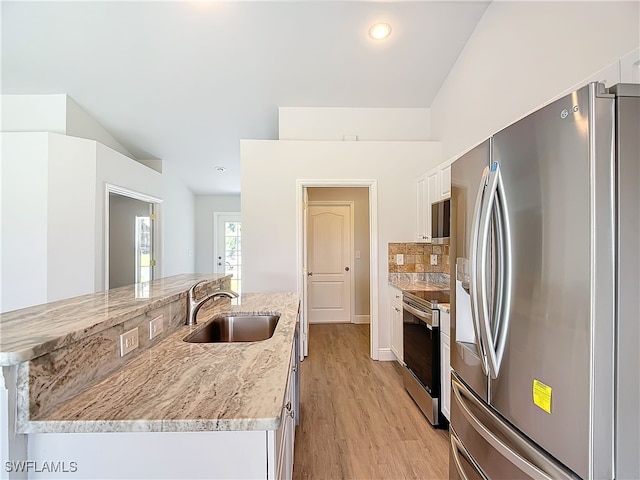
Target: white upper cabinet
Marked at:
422, 198
431, 187
445, 182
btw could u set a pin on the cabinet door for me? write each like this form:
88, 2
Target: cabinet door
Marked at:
285, 435
422, 201
445, 374
445, 182
395, 315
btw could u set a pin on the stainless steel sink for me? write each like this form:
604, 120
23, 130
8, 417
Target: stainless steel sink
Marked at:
235, 328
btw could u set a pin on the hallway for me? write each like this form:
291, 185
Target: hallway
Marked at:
357, 421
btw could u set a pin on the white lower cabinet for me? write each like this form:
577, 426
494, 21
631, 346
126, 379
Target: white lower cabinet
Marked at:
445, 367
169, 455
286, 433
395, 314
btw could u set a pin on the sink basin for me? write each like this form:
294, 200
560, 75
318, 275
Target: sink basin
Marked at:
235, 328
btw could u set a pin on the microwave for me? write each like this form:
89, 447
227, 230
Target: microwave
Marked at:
440, 213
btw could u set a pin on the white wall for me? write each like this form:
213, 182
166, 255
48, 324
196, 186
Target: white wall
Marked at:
205, 206
360, 198
33, 113
178, 224
23, 221
70, 216
53, 211
269, 170
80, 124
333, 123
47, 218
176, 210
523, 54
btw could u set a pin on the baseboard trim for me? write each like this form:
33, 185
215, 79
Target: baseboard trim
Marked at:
362, 319
386, 355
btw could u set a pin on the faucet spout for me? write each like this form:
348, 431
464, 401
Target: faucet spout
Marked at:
193, 305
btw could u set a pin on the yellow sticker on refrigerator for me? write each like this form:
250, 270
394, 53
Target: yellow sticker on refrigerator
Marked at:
542, 395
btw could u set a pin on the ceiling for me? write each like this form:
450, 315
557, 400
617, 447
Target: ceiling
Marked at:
185, 81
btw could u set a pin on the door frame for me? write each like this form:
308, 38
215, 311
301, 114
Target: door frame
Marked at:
352, 277
372, 185
157, 238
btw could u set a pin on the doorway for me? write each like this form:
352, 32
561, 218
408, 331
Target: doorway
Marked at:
131, 237
363, 252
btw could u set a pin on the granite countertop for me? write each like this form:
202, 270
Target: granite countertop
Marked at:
30, 332
177, 386
445, 307
419, 285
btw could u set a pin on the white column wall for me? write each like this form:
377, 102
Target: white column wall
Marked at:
23, 225
178, 224
523, 54
70, 217
33, 113
269, 213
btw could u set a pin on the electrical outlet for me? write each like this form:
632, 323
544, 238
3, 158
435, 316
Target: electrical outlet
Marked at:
156, 326
434, 259
128, 341
399, 259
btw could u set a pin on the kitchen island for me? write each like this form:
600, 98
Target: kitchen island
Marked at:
175, 410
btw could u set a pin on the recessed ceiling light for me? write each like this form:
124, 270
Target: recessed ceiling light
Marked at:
380, 31
220, 168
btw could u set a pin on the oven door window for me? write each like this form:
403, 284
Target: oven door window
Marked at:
419, 343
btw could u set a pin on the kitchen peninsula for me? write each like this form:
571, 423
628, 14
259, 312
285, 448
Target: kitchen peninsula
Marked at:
175, 409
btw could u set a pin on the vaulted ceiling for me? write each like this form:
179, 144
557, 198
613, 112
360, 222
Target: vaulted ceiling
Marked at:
185, 81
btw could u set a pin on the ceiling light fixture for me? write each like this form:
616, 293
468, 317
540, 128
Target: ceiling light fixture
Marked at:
380, 31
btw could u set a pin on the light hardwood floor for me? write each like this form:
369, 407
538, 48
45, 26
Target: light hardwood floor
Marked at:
357, 421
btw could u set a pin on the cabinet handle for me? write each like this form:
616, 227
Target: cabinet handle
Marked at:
291, 414
288, 406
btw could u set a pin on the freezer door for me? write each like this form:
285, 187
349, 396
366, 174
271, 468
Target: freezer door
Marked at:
466, 351
556, 383
461, 464
628, 281
484, 443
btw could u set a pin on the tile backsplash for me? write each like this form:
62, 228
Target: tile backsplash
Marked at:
417, 262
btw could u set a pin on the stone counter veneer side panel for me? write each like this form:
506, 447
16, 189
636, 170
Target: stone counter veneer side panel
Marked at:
49, 380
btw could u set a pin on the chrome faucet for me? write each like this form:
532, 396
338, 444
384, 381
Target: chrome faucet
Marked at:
194, 305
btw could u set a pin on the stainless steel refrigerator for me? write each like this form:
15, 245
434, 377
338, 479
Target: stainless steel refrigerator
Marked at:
545, 220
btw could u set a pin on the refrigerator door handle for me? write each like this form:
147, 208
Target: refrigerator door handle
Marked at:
460, 391
474, 289
456, 449
496, 207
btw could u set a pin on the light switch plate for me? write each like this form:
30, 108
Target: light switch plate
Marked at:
399, 259
156, 326
434, 259
128, 341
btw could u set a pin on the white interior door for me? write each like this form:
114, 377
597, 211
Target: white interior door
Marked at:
329, 262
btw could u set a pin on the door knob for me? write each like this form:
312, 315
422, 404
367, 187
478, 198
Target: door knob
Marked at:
346, 269
310, 274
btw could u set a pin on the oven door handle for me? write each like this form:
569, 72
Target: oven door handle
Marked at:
426, 317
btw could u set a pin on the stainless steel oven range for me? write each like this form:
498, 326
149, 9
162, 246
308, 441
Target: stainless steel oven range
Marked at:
421, 343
